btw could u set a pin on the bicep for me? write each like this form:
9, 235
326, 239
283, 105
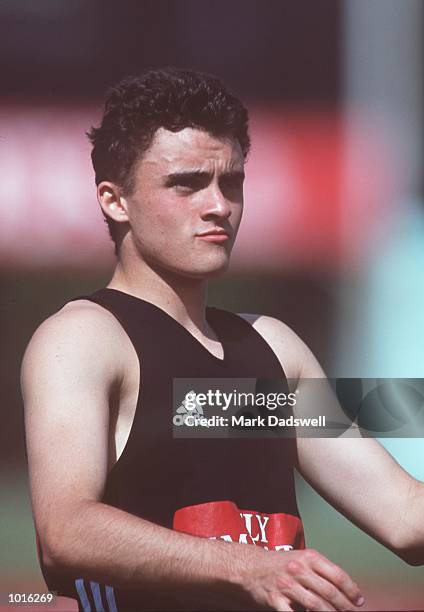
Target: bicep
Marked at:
65, 384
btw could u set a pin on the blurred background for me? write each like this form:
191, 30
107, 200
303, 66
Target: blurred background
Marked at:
333, 236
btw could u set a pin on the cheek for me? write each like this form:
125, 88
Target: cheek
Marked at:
236, 216
172, 219
161, 225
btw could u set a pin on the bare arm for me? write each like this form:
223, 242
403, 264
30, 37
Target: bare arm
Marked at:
355, 475
74, 363
72, 366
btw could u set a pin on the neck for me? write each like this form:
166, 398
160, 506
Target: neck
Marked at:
182, 298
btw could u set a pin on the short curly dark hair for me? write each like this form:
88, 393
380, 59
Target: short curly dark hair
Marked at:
171, 98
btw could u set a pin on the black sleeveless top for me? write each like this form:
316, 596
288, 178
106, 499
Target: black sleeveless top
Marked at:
235, 489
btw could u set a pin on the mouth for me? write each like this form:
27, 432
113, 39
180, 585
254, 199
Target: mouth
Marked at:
216, 234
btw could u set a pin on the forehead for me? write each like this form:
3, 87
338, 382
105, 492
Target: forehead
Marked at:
191, 148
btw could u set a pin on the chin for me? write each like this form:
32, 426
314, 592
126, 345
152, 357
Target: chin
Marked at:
206, 273
214, 268
208, 270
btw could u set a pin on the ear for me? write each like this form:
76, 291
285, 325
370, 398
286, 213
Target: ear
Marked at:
113, 204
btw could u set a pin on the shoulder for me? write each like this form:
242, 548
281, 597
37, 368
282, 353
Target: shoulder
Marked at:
81, 334
78, 323
295, 356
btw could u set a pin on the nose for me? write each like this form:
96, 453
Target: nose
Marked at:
215, 204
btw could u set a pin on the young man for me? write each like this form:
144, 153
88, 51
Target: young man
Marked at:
112, 490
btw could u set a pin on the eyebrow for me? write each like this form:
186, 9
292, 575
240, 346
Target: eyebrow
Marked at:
174, 177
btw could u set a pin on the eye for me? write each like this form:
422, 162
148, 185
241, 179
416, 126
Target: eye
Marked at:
233, 182
232, 185
188, 184
183, 188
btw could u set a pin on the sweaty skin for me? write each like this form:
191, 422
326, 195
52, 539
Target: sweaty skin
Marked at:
80, 380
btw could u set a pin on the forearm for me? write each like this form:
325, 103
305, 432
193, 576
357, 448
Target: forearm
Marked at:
364, 482
105, 544
413, 526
